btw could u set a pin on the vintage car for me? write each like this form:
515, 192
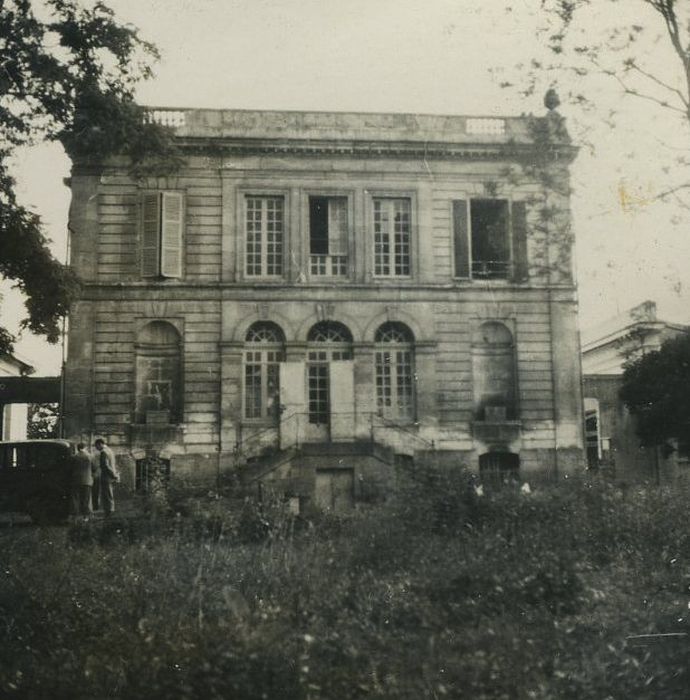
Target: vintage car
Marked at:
35, 478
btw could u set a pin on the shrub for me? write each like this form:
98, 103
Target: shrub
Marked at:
429, 595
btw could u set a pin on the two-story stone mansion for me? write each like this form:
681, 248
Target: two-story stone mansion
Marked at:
313, 295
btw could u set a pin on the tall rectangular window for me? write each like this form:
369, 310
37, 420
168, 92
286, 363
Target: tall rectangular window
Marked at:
261, 385
328, 236
162, 224
490, 239
392, 224
394, 362
264, 241
318, 397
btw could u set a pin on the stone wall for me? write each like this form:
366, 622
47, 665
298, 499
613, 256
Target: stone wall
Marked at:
213, 303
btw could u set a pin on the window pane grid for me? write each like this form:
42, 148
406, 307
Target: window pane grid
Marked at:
264, 236
381, 239
328, 265
392, 237
262, 360
404, 377
402, 237
252, 390
394, 372
318, 394
330, 341
383, 380
274, 236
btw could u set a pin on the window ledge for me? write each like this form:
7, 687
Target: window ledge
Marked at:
517, 423
156, 432
404, 423
501, 432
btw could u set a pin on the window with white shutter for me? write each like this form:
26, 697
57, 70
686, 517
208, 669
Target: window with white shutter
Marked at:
162, 233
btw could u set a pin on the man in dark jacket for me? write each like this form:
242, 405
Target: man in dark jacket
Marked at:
82, 481
96, 473
109, 475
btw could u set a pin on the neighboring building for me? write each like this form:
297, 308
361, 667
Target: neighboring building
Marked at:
315, 295
13, 416
612, 442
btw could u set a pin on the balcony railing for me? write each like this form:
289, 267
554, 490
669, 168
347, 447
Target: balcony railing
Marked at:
328, 265
239, 121
166, 117
485, 125
261, 439
491, 269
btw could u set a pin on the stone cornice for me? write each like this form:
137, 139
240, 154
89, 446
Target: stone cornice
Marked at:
351, 292
371, 149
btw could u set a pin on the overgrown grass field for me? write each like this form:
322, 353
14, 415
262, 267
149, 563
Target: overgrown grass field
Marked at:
435, 594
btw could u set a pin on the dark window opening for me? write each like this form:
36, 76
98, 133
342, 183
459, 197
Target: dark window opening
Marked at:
499, 468
328, 236
318, 225
489, 220
592, 438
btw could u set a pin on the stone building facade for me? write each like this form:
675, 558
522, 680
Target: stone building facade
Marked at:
611, 437
14, 415
314, 296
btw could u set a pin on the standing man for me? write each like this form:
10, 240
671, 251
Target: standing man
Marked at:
109, 475
96, 473
82, 481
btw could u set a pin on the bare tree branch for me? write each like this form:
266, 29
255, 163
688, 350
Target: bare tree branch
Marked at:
660, 82
636, 93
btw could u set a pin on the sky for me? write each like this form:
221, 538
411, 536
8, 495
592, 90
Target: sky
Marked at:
438, 57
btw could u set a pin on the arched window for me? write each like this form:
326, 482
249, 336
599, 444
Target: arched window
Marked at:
158, 374
494, 375
265, 349
328, 341
395, 388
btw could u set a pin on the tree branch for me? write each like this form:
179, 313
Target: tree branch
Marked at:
666, 8
636, 93
660, 82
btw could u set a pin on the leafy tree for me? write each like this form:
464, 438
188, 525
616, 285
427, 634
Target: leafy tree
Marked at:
67, 74
656, 389
42, 422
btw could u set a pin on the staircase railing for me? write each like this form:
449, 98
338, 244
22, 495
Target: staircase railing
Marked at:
249, 446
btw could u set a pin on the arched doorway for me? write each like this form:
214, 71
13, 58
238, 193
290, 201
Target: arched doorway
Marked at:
498, 468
